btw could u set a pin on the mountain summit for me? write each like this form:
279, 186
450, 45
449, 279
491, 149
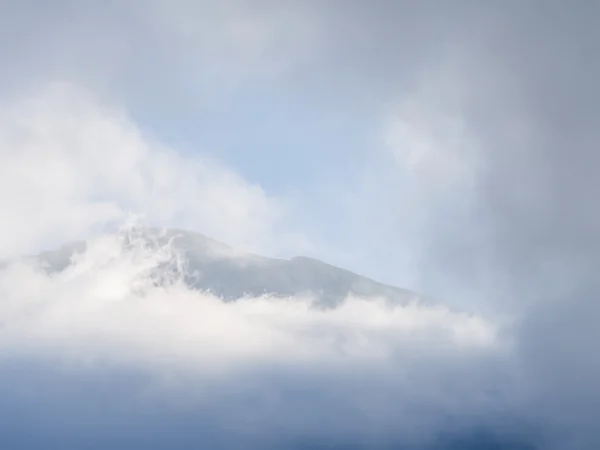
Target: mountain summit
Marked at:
220, 269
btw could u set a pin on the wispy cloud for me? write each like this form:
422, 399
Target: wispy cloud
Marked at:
72, 164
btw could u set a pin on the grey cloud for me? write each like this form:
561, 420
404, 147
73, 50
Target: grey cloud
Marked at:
535, 201
528, 239
116, 407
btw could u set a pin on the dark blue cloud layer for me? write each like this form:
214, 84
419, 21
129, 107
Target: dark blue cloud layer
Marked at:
43, 406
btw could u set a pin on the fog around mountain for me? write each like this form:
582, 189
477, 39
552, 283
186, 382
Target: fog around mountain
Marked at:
147, 338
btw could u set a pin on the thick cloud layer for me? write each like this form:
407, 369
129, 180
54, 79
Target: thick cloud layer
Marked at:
116, 343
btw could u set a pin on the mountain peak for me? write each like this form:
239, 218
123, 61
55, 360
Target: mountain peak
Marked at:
222, 270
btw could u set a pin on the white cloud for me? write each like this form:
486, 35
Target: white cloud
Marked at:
109, 295
70, 163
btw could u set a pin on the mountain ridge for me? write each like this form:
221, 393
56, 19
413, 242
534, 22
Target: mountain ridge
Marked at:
230, 274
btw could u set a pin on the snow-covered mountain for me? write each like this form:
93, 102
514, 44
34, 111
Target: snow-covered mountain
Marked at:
220, 269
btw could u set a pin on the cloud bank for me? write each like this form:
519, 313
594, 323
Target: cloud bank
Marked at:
118, 335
